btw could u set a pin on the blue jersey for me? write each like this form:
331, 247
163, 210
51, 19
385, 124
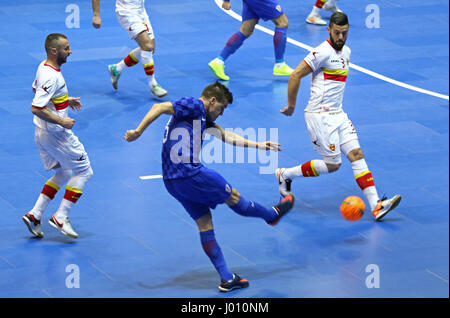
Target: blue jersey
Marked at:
183, 139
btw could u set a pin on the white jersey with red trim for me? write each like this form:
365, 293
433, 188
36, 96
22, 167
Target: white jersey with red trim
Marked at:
50, 91
330, 69
130, 5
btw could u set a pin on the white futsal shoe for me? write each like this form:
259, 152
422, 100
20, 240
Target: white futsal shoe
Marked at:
284, 184
158, 91
331, 7
64, 227
33, 224
385, 205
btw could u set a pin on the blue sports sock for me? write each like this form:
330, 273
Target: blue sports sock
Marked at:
279, 44
254, 209
234, 42
212, 249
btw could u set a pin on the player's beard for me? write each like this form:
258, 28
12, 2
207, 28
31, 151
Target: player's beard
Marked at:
61, 59
337, 46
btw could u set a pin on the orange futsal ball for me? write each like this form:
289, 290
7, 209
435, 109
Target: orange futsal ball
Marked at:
352, 209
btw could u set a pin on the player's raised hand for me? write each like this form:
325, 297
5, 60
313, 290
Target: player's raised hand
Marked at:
75, 103
269, 145
131, 135
287, 111
67, 122
226, 5
97, 22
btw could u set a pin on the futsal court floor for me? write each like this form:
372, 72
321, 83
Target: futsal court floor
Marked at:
136, 241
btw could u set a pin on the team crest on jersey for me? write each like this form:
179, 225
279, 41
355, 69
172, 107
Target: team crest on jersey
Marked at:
278, 7
227, 188
332, 147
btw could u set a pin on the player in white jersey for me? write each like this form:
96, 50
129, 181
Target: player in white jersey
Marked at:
329, 128
59, 148
133, 17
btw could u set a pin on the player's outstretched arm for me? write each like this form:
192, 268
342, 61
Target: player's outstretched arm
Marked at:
300, 71
96, 20
234, 139
151, 116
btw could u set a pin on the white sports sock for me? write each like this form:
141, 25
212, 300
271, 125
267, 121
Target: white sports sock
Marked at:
57, 180
315, 11
148, 63
312, 168
371, 194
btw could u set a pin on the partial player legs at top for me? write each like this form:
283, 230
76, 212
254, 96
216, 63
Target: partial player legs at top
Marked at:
252, 11
139, 28
328, 5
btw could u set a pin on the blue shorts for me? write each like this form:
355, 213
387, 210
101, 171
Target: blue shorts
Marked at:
200, 192
260, 9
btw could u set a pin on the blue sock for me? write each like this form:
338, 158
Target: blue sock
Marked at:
250, 208
234, 42
279, 44
212, 249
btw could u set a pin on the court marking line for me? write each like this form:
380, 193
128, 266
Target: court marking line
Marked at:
436, 275
155, 176
8, 261
102, 272
354, 66
142, 243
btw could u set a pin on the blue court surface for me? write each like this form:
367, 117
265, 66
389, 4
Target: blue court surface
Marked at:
136, 241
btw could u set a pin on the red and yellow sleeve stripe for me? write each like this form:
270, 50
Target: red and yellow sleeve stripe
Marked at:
339, 75
61, 102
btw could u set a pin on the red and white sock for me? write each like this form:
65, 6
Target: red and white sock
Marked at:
149, 67
365, 181
49, 191
313, 168
130, 60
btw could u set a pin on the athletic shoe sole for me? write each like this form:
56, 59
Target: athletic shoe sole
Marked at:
28, 224
52, 223
396, 200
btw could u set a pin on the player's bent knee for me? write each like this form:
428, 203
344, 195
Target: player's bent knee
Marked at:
356, 154
333, 167
204, 223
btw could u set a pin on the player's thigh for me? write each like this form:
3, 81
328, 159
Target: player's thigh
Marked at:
135, 24
324, 137
47, 159
65, 148
266, 10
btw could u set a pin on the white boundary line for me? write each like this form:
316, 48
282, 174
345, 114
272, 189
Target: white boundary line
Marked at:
356, 67
156, 176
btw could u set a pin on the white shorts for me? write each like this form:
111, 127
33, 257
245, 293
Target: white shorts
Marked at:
61, 147
135, 22
328, 131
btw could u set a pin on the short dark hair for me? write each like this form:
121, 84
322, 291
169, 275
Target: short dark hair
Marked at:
52, 40
219, 91
338, 18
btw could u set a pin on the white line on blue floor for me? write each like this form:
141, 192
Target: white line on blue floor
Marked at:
354, 66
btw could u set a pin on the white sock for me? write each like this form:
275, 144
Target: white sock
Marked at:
63, 209
40, 206
147, 62
120, 66
317, 167
371, 194
315, 11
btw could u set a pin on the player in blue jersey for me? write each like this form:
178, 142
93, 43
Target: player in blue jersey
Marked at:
196, 187
252, 11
